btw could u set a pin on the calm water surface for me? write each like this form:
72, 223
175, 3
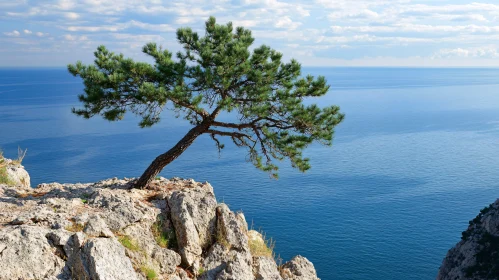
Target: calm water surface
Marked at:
415, 159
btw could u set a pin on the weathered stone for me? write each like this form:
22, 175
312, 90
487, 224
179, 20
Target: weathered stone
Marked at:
299, 268
26, 253
265, 268
97, 227
193, 216
102, 259
231, 229
17, 175
120, 208
167, 260
71, 231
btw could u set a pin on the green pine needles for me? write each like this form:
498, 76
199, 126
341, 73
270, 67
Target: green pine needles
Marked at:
214, 73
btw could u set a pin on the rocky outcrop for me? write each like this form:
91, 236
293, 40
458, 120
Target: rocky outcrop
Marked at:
476, 256
14, 173
108, 230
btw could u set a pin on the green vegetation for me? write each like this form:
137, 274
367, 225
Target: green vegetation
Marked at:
261, 247
149, 272
477, 220
164, 238
128, 243
487, 259
217, 72
201, 271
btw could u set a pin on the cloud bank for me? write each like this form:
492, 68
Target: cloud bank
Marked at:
317, 32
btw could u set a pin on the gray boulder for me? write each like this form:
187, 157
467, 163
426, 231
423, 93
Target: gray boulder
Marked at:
16, 174
102, 259
192, 211
265, 268
299, 268
26, 253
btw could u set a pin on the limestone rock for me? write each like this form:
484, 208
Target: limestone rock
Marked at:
167, 260
299, 268
192, 212
106, 230
97, 227
16, 173
231, 228
25, 253
265, 268
102, 259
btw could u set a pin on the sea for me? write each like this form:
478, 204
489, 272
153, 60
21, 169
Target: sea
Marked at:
416, 158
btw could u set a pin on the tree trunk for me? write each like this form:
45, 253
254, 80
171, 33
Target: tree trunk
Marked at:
164, 159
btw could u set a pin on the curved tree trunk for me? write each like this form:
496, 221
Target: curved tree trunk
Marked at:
164, 159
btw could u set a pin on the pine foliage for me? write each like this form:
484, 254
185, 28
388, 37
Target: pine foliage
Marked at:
216, 73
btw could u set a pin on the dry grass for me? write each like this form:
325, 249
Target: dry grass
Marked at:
262, 247
222, 239
3, 166
75, 227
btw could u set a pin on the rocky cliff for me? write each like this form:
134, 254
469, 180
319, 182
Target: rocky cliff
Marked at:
107, 230
476, 256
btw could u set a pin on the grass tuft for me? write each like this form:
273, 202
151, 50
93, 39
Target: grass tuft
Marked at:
222, 239
164, 238
150, 273
128, 243
261, 247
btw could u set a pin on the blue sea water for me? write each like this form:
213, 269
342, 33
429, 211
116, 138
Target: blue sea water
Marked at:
416, 158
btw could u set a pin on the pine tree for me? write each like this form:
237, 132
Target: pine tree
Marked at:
213, 74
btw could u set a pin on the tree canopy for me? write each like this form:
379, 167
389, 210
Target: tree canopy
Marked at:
214, 73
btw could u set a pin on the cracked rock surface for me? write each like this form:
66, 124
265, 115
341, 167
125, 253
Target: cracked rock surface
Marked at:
108, 230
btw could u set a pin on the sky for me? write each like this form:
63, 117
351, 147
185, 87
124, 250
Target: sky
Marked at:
328, 33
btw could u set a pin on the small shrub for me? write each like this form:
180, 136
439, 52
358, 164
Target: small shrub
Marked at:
149, 272
75, 227
84, 201
261, 248
128, 243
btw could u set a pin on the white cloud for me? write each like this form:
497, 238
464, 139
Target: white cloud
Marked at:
26, 31
71, 15
41, 34
477, 52
286, 22
69, 37
122, 26
14, 33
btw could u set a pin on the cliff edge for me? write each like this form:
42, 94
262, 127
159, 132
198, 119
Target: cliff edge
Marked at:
476, 256
107, 230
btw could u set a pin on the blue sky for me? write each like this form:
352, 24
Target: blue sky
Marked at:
315, 32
